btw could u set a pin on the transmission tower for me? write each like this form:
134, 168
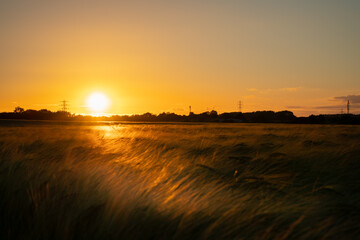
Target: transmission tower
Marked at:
348, 106
64, 106
239, 106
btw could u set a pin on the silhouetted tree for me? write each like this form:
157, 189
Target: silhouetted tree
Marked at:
18, 110
213, 114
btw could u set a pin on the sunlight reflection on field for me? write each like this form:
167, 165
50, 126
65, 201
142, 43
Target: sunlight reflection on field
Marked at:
109, 131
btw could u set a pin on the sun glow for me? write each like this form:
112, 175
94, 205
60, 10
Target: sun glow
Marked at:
98, 102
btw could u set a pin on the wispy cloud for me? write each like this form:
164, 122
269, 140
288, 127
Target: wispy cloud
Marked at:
324, 107
267, 90
249, 97
355, 99
294, 107
294, 89
252, 89
341, 104
330, 107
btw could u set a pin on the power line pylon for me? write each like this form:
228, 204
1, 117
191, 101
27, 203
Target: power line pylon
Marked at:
240, 106
64, 106
348, 106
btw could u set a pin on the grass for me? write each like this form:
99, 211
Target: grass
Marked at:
179, 181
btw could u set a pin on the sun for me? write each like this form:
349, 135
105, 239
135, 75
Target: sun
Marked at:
98, 102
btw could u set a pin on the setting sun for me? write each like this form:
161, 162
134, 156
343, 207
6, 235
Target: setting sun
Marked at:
98, 102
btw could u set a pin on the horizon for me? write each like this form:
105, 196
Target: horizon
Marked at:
58, 109
159, 56
156, 114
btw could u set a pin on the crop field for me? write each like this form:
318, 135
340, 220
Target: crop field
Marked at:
179, 181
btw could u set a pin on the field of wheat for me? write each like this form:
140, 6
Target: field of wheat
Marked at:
179, 181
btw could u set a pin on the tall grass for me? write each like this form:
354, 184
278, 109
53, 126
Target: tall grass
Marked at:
174, 181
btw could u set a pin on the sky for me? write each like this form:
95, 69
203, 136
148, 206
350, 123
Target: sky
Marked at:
163, 56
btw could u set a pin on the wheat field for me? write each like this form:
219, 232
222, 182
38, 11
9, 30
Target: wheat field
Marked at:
179, 181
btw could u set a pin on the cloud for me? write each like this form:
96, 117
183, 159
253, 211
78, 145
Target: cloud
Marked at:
251, 89
336, 105
288, 89
295, 107
249, 97
353, 98
291, 89
327, 107
330, 107
357, 106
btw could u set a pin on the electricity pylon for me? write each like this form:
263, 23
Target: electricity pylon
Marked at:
64, 106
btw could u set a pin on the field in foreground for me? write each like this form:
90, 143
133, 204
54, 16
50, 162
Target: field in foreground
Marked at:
174, 181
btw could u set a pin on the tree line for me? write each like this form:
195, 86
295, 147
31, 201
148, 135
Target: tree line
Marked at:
209, 116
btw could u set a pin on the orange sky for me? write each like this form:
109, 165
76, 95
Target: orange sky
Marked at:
155, 56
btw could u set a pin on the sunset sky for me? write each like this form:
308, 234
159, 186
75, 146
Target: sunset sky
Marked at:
162, 56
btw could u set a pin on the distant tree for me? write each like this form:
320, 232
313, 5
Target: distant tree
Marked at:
18, 110
213, 113
284, 116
